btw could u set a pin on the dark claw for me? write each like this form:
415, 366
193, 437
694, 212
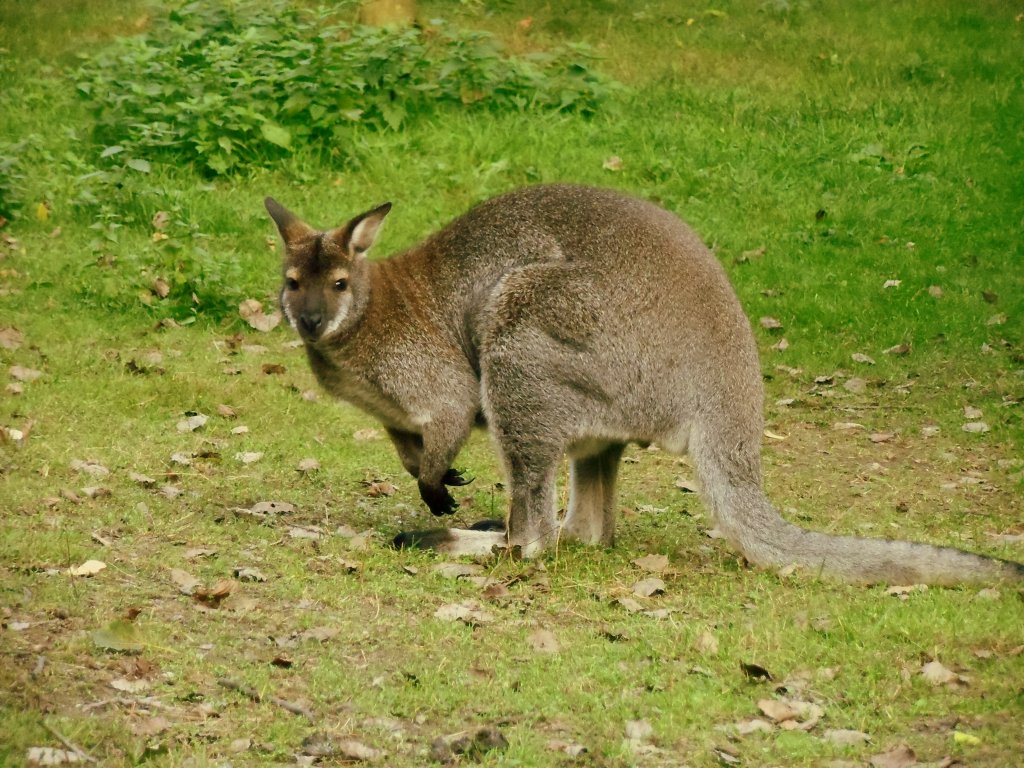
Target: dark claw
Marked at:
438, 500
455, 477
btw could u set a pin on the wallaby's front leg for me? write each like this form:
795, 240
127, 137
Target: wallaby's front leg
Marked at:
409, 447
442, 439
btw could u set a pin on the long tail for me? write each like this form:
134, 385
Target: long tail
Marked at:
751, 523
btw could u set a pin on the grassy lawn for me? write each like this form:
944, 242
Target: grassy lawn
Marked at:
859, 170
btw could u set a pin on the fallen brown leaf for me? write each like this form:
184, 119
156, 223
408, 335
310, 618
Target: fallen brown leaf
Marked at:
22, 374
543, 641
252, 312
649, 587
186, 583
652, 563
898, 757
11, 338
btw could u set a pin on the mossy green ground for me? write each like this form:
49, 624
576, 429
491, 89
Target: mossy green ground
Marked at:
822, 148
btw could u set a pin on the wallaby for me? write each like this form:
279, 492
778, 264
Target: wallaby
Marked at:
571, 321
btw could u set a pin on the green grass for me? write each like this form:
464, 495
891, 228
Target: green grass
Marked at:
899, 120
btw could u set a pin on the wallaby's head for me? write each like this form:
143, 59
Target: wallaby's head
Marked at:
326, 284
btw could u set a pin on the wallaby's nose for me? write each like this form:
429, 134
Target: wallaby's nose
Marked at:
311, 323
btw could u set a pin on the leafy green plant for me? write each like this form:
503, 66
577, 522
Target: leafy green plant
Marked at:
10, 177
229, 86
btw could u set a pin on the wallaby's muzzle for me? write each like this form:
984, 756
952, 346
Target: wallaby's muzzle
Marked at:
311, 324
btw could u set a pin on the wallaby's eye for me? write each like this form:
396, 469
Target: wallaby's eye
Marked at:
340, 285
291, 284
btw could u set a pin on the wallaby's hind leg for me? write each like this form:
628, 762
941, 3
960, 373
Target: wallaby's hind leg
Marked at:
532, 524
592, 497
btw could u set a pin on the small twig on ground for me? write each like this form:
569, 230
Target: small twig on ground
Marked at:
252, 693
68, 743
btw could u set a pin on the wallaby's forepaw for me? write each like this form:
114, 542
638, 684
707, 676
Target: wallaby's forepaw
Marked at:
437, 499
455, 477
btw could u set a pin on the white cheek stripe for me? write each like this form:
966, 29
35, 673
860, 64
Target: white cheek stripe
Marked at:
288, 313
337, 320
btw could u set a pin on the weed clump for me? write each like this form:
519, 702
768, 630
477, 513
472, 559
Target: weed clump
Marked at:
229, 86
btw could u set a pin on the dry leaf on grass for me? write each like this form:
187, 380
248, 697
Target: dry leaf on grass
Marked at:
144, 480
652, 563
251, 311
319, 634
249, 574
192, 422
313, 532
845, 738
899, 757
88, 568
11, 338
756, 725
52, 756
468, 612
569, 748
856, 385
543, 641
24, 375
631, 605
346, 750
649, 587
91, 468
378, 488
791, 714
130, 686
613, 164
185, 581
975, 427
706, 643
212, 597
639, 730
938, 674
271, 508
473, 745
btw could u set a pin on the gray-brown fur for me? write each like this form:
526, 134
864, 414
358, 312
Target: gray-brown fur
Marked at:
573, 321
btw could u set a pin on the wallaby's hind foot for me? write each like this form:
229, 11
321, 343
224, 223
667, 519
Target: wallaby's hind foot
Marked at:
455, 542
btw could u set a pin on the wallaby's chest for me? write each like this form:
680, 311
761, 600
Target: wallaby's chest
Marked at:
363, 388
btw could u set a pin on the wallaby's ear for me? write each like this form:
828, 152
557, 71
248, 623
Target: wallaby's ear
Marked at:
289, 225
362, 230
